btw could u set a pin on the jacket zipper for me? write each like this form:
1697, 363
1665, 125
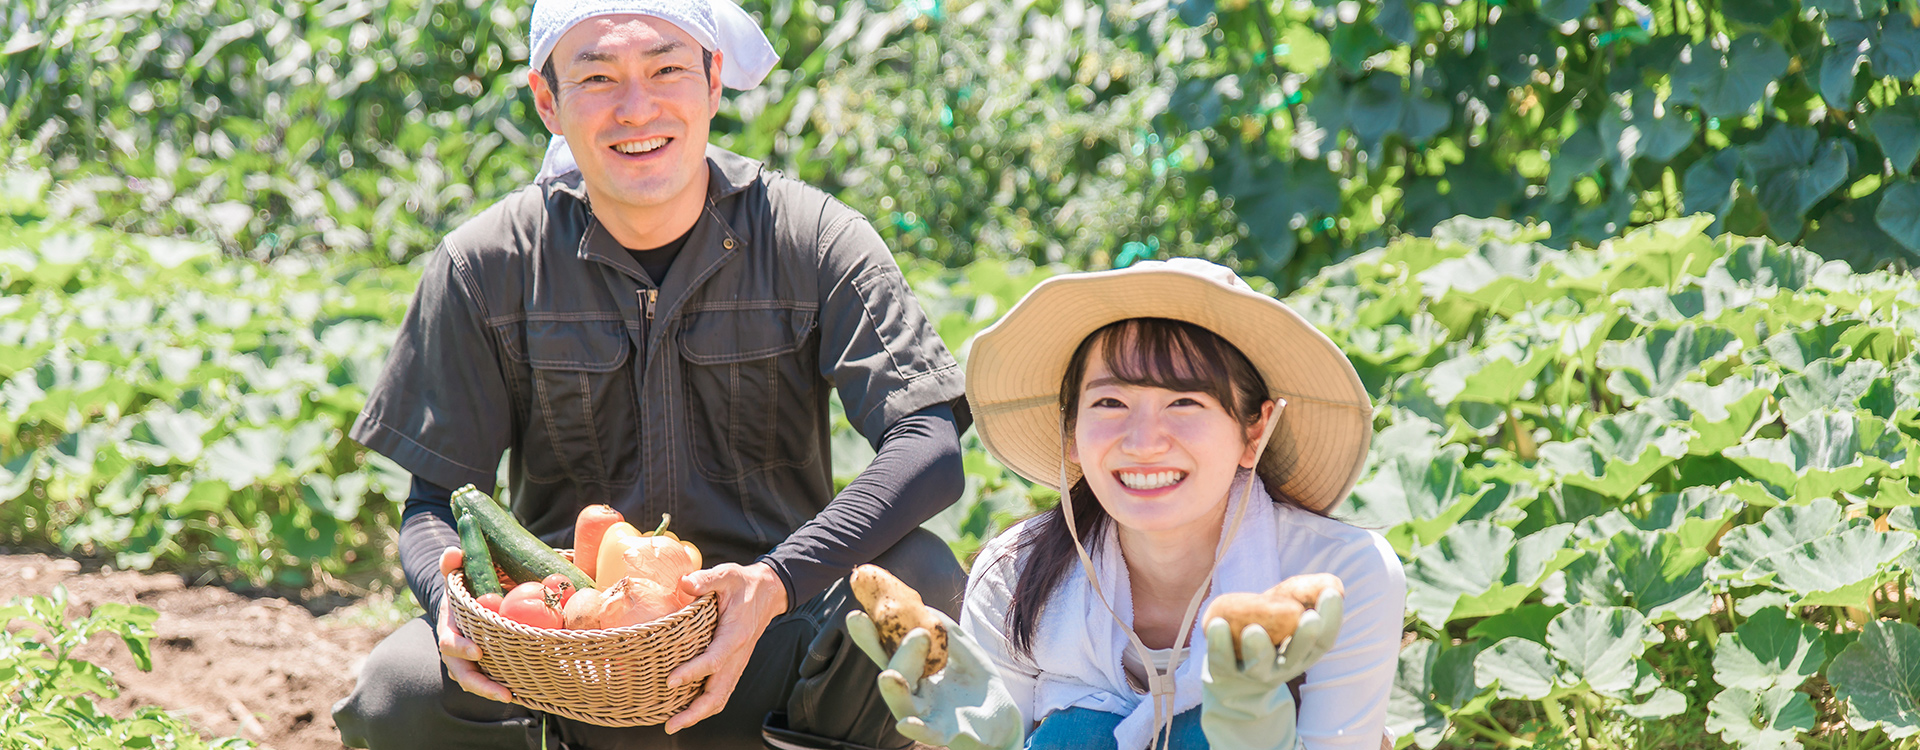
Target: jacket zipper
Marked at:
647, 299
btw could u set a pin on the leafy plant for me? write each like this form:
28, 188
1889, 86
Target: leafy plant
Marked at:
1278, 136
48, 696
1650, 493
161, 403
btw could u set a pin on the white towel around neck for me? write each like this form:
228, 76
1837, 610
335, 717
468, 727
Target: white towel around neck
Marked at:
1078, 647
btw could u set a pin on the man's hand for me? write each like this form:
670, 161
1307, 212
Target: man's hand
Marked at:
750, 597
459, 654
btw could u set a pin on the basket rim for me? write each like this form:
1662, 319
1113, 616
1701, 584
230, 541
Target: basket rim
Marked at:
457, 591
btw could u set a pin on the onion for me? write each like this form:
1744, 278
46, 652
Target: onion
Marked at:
629, 601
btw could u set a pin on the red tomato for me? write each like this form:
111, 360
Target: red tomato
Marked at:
490, 601
528, 604
560, 586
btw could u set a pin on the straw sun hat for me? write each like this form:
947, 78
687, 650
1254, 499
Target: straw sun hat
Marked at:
1014, 370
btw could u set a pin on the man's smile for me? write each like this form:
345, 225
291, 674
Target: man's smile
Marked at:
641, 147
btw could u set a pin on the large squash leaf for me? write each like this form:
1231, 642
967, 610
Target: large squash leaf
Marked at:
1879, 677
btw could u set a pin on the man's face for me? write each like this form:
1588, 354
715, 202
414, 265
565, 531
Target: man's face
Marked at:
634, 105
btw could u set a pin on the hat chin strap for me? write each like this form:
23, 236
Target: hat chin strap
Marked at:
1160, 687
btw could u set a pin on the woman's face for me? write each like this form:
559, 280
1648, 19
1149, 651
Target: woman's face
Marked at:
1158, 460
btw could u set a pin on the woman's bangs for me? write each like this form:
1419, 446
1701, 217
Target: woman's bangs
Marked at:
1161, 353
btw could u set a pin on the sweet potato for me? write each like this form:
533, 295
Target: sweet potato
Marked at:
896, 609
1306, 588
1273, 610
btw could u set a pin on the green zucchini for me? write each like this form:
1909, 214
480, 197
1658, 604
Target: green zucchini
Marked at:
481, 580
521, 554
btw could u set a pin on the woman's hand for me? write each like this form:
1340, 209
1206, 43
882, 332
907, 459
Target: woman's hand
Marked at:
964, 706
461, 655
1245, 704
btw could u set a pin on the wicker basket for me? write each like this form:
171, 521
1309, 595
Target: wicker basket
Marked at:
616, 677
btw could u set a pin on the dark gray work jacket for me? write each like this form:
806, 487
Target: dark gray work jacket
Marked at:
536, 333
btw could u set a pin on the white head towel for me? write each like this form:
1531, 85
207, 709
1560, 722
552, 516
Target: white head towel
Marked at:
718, 25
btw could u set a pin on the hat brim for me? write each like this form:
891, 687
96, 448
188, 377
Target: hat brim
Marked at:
1014, 369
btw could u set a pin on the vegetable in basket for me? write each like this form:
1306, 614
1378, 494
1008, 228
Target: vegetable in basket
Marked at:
521, 554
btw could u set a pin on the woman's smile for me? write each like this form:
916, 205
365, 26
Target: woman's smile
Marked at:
1149, 481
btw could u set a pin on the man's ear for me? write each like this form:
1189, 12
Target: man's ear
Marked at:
544, 101
713, 81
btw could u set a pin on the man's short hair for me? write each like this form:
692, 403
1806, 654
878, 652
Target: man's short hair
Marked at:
553, 79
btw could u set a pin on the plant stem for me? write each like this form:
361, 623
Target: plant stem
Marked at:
1555, 715
1492, 731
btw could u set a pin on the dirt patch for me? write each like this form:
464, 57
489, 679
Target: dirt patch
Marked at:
264, 669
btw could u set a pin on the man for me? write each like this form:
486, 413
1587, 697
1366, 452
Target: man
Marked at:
654, 325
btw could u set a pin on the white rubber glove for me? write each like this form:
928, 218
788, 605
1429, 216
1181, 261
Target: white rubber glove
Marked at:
1246, 706
964, 706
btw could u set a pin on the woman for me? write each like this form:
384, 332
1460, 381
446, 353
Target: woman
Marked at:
1159, 394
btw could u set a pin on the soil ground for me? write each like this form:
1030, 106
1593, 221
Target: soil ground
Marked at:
265, 669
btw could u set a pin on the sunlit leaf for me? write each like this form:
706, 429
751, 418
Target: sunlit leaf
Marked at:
1651, 366
1766, 651
1761, 720
1879, 676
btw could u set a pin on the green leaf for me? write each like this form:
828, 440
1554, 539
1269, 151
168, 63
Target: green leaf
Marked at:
1663, 703
1411, 706
1897, 129
1195, 13
1792, 170
1822, 454
1646, 129
1651, 366
1493, 375
1781, 528
1527, 621
1517, 668
1618, 454
1837, 570
163, 435
1768, 650
1578, 156
1420, 487
1828, 386
1758, 12
1496, 275
1892, 44
1197, 102
1879, 677
1381, 106
1394, 18
1767, 266
1477, 569
1646, 570
1719, 415
1899, 212
1852, 8
1728, 85
1709, 184
1761, 720
1796, 349
1562, 11
1601, 646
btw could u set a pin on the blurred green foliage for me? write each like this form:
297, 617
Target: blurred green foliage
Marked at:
162, 404
1275, 135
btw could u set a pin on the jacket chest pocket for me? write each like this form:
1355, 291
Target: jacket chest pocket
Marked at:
585, 423
749, 387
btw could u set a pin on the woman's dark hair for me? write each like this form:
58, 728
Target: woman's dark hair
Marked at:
1151, 352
